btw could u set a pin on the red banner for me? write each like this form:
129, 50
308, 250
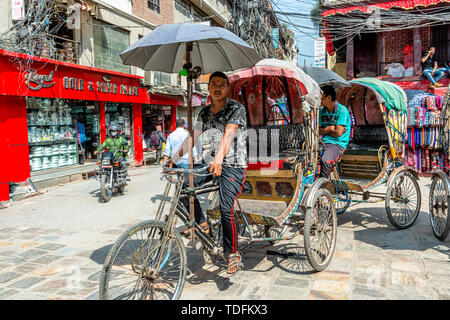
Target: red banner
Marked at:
32, 76
403, 4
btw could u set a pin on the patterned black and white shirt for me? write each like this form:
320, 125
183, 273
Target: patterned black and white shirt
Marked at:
213, 126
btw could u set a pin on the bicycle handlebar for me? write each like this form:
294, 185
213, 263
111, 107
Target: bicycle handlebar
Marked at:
185, 171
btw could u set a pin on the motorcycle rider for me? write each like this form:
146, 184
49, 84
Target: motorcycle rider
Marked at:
117, 145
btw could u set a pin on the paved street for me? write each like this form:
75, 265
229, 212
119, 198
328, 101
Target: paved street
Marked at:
53, 246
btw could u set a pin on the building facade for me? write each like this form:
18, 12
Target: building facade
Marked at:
214, 12
67, 84
383, 42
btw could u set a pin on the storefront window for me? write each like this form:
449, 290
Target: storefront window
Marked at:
52, 134
120, 114
109, 42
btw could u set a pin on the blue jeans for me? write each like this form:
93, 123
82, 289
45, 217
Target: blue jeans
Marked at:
438, 74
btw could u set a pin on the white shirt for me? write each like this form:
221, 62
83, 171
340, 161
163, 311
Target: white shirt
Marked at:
174, 142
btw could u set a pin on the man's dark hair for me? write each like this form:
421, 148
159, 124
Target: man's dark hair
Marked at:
329, 91
219, 74
180, 123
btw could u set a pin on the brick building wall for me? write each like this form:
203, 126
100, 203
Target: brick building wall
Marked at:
395, 41
166, 15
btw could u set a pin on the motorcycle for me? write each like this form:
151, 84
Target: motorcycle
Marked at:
112, 175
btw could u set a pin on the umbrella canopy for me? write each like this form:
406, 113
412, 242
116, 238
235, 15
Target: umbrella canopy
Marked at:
214, 49
313, 97
326, 77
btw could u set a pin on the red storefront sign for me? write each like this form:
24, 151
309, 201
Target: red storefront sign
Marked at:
56, 79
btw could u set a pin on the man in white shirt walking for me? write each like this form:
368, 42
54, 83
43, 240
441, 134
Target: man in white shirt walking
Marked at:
174, 142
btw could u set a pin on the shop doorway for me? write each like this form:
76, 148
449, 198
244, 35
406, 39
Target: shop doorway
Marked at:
154, 115
365, 60
86, 117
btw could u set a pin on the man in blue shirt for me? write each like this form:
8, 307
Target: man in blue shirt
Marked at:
334, 127
81, 135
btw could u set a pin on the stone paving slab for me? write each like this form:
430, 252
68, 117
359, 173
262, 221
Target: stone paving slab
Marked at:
47, 253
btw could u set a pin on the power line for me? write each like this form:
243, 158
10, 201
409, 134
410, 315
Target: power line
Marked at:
356, 22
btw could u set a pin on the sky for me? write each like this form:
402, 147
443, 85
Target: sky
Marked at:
304, 39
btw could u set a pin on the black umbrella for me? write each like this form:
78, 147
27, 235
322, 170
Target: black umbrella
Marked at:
326, 77
210, 48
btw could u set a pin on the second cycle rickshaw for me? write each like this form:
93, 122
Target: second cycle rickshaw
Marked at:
440, 185
377, 148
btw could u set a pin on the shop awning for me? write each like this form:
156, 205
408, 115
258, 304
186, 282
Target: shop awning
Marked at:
166, 99
166, 95
402, 4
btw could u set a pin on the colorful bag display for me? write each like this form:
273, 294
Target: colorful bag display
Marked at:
425, 120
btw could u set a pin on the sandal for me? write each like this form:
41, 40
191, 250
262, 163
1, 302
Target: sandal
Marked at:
203, 225
234, 263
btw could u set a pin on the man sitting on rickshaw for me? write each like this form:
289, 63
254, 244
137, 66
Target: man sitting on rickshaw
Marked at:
224, 123
335, 127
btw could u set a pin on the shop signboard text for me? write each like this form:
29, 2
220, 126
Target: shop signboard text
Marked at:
71, 83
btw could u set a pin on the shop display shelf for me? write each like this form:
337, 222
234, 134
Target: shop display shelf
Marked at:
44, 169
50, 155
46, 143
49, 125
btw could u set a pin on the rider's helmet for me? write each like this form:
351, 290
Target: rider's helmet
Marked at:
114, 130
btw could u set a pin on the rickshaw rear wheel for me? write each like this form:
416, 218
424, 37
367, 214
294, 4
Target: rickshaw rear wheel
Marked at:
439, 209
320, 230
403, 200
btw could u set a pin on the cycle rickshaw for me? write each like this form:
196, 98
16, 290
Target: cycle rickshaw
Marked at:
440, 185
149, 260
377, 147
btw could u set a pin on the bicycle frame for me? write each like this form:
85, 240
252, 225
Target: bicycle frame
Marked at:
384, 175
177, 210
